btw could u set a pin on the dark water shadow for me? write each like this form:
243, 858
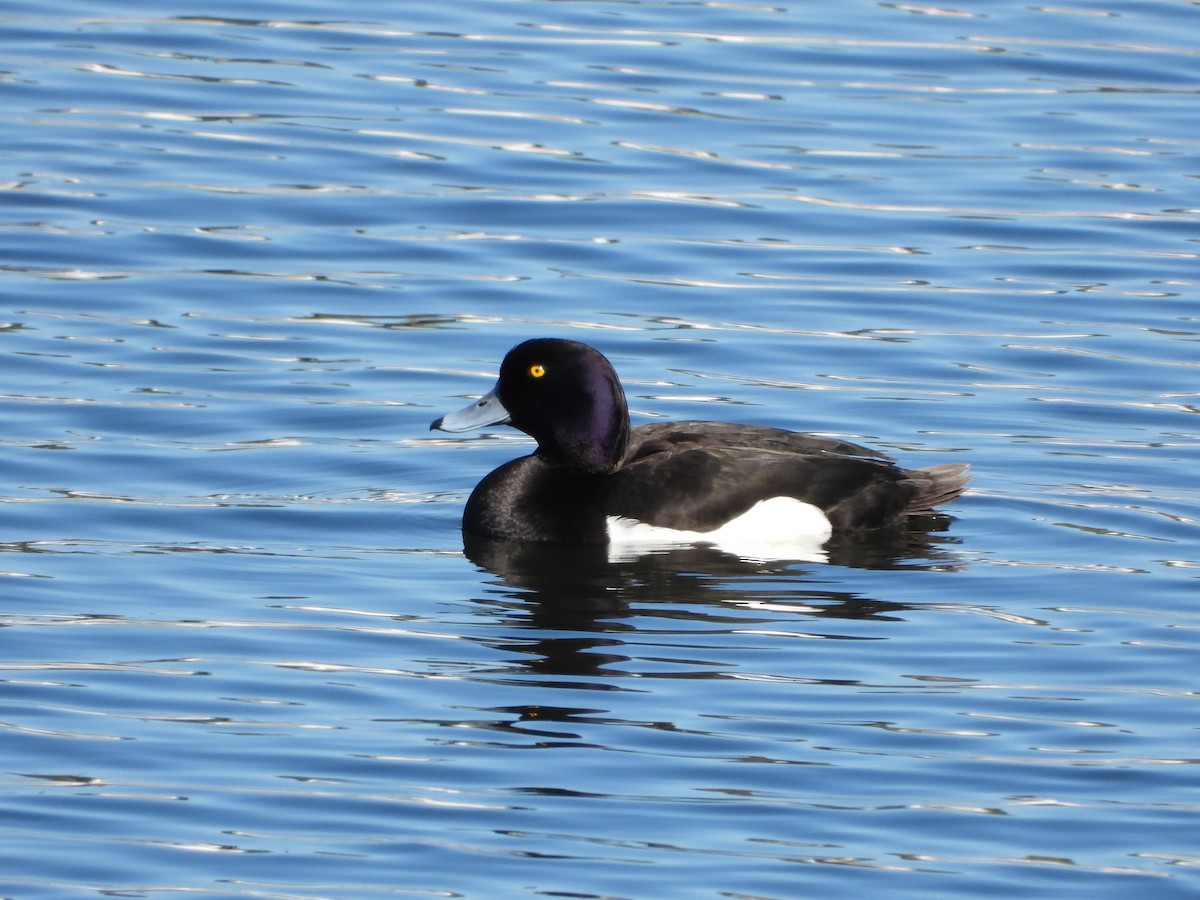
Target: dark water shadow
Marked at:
583, 607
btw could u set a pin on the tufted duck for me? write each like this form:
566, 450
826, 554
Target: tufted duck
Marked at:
594, 479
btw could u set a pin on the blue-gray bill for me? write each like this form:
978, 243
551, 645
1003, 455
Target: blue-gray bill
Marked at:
487, 410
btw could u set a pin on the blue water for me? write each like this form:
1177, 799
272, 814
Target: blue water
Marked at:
249, 251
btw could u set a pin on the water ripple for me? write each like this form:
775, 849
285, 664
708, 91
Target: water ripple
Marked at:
248, 260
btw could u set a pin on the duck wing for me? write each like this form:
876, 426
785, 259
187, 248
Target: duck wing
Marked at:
645, 440
692, 486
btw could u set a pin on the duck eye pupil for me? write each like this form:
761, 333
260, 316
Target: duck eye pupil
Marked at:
537, 370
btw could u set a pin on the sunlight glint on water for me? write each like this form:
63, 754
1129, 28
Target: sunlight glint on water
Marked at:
249, 255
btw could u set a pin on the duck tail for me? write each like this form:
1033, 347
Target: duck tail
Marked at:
938, 485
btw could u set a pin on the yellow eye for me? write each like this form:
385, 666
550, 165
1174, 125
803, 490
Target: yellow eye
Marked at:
537, 370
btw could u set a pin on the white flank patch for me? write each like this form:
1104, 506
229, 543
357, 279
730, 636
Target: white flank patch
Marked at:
777, 528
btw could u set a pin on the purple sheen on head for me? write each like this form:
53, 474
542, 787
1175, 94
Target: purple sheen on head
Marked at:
607, 428
574, 407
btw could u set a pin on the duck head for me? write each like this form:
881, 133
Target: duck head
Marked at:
563, 394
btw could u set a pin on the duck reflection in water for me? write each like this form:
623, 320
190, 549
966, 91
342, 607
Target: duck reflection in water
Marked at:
582, 608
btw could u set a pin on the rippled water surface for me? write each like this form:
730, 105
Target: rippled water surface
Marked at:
250, 251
